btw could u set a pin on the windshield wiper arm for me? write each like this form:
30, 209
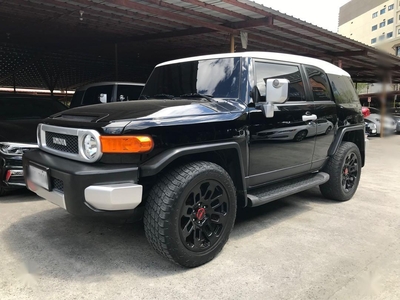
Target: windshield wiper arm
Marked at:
197, 95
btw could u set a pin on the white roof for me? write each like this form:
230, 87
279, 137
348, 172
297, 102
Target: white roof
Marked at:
325, 66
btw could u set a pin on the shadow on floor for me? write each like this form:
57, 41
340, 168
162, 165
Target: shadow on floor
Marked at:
58, 244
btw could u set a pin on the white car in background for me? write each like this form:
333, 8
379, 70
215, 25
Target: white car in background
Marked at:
389, 124
296, 133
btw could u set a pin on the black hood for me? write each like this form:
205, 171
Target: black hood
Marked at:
19, 131
151, 113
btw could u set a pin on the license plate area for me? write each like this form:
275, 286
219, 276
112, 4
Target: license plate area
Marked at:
39, 176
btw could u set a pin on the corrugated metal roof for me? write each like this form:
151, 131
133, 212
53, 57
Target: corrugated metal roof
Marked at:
148, 32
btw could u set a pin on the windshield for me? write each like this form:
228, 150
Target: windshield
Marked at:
218, 78
28, 108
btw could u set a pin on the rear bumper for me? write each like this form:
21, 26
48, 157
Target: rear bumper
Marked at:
85, 189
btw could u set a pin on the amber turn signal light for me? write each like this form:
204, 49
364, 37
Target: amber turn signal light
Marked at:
126, 144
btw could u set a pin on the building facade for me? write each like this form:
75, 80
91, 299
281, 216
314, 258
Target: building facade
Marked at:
372, 22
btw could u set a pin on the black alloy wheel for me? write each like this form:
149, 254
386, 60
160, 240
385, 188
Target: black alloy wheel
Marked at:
190, 212
204, 215
349, 171
344, 169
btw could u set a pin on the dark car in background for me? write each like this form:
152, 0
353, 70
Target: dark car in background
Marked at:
19, 117
106, 92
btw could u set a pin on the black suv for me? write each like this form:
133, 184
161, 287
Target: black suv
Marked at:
211, 134
19, 118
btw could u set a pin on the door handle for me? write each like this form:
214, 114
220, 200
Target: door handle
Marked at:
309, 118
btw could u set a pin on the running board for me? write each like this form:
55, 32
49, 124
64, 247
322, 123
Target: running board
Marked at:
267, 194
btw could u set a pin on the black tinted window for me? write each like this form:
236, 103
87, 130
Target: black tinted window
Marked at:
216, 77
92, 94
343, 90
26, 108
128, 92
270, 71
77, 99
319, 84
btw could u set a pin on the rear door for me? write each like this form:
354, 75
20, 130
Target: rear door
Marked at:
326, 112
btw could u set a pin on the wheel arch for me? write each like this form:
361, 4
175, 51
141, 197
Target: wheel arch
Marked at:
228, 155
354, 134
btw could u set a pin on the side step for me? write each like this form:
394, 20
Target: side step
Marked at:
267, 194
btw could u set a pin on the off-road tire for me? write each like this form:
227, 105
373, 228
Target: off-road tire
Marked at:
333, 189
162, 216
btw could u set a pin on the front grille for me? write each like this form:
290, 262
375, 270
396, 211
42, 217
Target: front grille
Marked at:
58, 185
70, 146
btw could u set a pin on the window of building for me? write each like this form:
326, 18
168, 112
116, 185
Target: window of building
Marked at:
382, 24
398, 50
391, 6
374, 15
390, 21
375, 27
319, 84
389, 35
382, 37
383, 10
373, 41
292, 73
398, 31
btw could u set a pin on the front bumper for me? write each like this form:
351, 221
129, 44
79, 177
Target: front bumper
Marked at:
11, 173
85, 189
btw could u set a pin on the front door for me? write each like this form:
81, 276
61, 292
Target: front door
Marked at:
281, 146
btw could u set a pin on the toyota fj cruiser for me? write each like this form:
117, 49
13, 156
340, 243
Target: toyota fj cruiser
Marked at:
211, 134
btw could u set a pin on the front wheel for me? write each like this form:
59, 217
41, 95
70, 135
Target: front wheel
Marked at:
190, 213
344, 169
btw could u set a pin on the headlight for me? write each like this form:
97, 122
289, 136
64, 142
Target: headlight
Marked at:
15, 148
90, 146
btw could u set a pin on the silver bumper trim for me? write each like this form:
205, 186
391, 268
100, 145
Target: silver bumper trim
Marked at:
120, 196
54, 197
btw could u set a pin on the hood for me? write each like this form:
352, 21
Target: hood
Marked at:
150, 113
19, 131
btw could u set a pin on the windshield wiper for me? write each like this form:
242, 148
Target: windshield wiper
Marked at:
157, 96
197, 95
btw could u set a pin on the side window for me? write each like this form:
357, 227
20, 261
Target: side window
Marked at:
128, 92
270, 71
93, 94
319, 84
343, 89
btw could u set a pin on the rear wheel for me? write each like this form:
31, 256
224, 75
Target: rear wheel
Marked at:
344, 169
190, 213
328, 130
2, 191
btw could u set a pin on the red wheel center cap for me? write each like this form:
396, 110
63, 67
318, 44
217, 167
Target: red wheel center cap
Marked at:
201, 212
346, 171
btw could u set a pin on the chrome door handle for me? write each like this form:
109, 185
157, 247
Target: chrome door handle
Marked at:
309, 118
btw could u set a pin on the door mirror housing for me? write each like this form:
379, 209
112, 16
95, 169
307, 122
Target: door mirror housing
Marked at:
276, 92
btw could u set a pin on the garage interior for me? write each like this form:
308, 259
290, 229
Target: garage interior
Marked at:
59, 45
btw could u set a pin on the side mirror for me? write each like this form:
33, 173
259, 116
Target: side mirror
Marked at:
103, 98
276, 92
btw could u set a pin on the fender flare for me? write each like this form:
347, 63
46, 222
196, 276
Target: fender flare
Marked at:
340, 135
162, 160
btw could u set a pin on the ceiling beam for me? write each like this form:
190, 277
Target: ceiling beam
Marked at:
216, 8
171, 15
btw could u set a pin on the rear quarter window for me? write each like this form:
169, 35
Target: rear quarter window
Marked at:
343, 89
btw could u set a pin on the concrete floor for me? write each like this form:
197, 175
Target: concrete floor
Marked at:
300, 247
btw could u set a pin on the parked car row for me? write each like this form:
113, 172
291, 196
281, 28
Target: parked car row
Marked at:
374, 122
